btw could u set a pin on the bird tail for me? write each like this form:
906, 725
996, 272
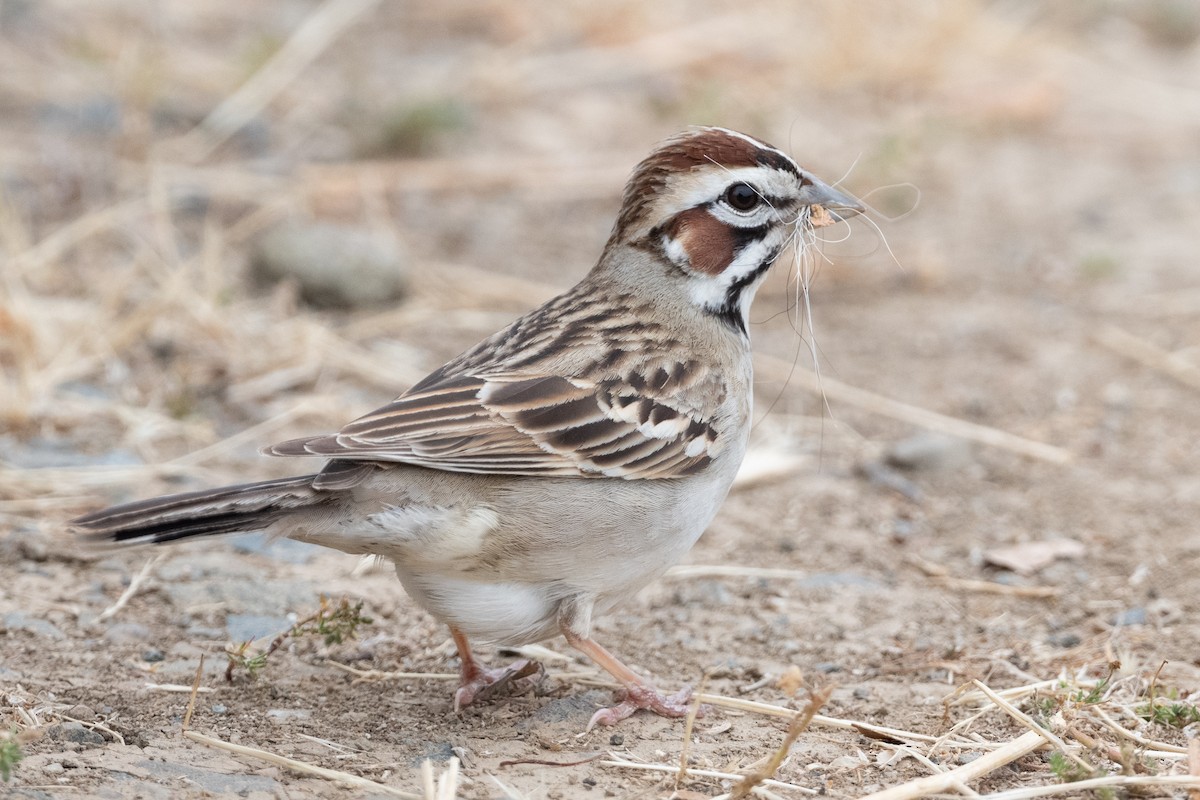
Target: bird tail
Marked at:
230, 509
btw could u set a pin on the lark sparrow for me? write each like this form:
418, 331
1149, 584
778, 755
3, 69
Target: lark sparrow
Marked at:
551, 471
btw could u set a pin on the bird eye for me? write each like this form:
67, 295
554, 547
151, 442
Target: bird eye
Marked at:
742, 197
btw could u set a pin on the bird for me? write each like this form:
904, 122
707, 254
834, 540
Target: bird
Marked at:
551, 471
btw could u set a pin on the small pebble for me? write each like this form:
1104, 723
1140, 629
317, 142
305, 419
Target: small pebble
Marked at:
827, 667
75, 733
288, 714
862, 693
333, 265
1064, 639
20, 621
126, 633
616, 740
82, 713
152, 655
1132, 616
54, 768
217, 708
929, 451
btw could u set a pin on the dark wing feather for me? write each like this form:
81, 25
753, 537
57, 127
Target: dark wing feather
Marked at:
541, 425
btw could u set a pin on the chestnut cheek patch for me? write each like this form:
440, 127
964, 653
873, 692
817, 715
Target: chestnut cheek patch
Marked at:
707, 241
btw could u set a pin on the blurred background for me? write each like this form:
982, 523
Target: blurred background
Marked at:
224, 224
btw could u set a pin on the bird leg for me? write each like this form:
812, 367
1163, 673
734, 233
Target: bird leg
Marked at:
477, 682
635, 692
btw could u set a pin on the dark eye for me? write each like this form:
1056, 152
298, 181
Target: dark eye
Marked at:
742, 197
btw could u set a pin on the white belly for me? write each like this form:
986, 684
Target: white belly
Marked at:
496, 561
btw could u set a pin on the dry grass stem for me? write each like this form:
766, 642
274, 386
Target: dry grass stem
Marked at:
379, 675
179, 688
685, 571
942, 576
1149, 354
1109, 782
771, 710
963, 696
597, 178
688, 724
53, 246
833, 389
303, 767
509, 792
191, 706
579, 677
762, 466
255, 433
948, 781
98, 726
1194, 766
318, 31
1121, 730
1024, 719
703, 773
135, 584
799, 724
991, 587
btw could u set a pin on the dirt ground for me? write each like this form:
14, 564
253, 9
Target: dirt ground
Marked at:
1035, 170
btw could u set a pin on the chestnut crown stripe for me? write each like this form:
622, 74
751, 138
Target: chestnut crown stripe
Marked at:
701, 148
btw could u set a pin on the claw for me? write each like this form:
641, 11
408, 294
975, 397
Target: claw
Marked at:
523, 675
638, 697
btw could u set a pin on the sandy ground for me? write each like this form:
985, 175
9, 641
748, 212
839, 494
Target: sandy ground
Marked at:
1045, 285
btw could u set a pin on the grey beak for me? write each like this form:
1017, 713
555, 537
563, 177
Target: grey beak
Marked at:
838, 203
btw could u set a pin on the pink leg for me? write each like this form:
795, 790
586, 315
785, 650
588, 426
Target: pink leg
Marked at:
636, 692
478, 682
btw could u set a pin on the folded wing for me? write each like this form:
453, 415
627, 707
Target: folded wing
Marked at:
531, 425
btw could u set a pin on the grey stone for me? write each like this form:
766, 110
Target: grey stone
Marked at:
242, 596
288, 714
24, 543
930, 451
829, 580
82, 713
436, 752
574, 711
1064, 639
886, 477
287, 550
38, 452
153, 655
246, 627
126, 633
99, 115
75, 733
1132, 616
333, 265
20, 621
217, 782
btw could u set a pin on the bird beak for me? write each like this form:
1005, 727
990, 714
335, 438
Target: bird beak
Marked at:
839, 204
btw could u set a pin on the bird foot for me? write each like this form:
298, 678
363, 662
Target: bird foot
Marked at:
637, 697
485, 682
